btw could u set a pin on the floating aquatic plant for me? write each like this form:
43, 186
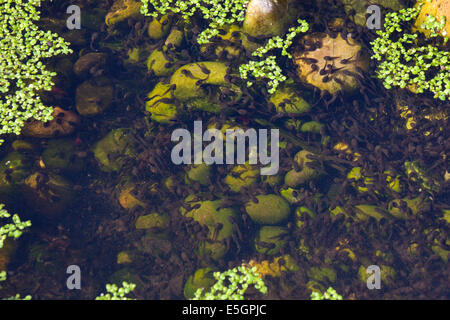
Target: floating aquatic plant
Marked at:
330, 294
217, 12
268, 68
232, 284
407, 63
22, 71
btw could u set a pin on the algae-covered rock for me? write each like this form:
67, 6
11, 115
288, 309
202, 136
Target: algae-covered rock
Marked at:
272, 180
287, 101
270, 240
188, 78
63, 123
48, 194
14, 167
439, 9
199, 173
158, 28
268, 17
159, 63
218, 221
333, 66
311, 126
112, 150
242, 176
161, 103
209, 213
153, 221
175, 38
202, 278
270, 209
61, 154
94, 96
211, 249
122, 10
295, 178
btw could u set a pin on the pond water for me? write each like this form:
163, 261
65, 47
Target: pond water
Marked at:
113, 186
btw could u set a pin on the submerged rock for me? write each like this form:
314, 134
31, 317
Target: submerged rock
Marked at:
210, 213
175, 38
161, 103
13, 169
94, 96
64, 123
242, 176
112, 151
270, 240
217, 220
88, 62
122, 10
268, 17
295, 178
159, 63
188, 78
198, 173
49, 194
331, 64
270, 209
287, 101
61, 154
158, 28
7, 252
153, 221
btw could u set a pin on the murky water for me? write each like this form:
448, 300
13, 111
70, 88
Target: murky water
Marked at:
361, 181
